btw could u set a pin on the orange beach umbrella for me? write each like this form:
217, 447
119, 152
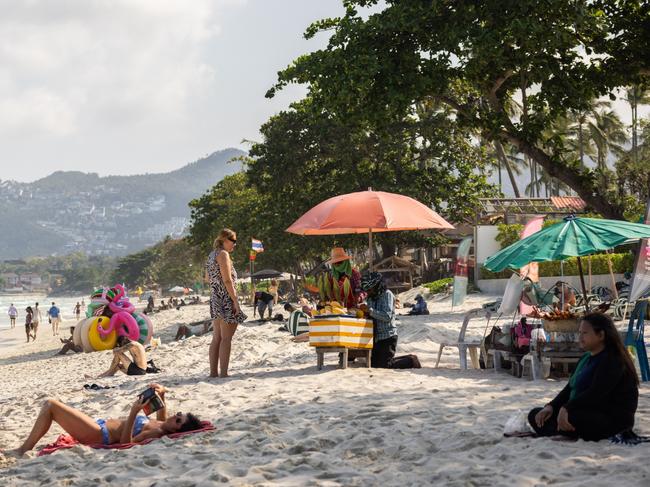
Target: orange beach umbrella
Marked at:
368, 212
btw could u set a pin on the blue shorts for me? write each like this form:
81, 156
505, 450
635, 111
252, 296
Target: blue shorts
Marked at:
261, 306
105, 438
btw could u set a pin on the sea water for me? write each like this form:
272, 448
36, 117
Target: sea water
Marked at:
65, 303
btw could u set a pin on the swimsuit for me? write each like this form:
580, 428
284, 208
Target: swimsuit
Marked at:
135, 370
138, 425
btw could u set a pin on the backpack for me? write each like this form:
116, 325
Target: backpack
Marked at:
522, 335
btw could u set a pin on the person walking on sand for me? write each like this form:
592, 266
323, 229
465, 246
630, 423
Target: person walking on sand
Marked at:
12, 312
36, 319
29, 323
77, 310
54, 313
224, 305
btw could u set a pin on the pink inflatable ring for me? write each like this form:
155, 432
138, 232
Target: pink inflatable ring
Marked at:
121, 305
125, 325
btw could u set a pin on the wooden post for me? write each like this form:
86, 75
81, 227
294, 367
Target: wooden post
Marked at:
582, 281
611, 273
370, 249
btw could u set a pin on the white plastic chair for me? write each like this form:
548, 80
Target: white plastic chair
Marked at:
464, 346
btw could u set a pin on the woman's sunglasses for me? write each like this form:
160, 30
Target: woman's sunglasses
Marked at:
233, 240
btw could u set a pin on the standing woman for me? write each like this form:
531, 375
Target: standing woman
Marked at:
274, 291
29, 324
36, 319
224, 306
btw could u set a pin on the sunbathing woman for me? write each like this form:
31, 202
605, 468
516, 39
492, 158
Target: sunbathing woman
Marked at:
108, 431
601, 396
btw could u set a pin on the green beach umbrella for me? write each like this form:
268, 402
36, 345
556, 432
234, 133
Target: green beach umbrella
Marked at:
573, 237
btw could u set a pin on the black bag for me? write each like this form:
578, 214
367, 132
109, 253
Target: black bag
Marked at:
496, 338
152, 368
405, 362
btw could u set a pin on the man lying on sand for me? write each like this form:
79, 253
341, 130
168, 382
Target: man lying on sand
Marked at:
68, 344
185, 331
86, 430
136, 365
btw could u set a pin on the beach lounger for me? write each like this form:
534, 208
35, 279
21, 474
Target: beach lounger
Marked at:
66, 441
462, 345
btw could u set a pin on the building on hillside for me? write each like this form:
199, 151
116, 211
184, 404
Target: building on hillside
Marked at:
31, 280
10, 279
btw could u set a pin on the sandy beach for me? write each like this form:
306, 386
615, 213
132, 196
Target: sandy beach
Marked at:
279, 421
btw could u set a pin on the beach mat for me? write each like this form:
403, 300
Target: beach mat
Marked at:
66, 441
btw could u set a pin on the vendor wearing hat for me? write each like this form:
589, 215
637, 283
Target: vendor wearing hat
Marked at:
340, 268
380, 306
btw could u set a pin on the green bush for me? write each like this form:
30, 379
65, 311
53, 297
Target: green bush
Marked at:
439, 286
508, 234
621, 263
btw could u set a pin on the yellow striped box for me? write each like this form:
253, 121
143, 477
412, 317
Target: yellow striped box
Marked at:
340, 331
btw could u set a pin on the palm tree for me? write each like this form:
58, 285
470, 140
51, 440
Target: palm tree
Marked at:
608, 134
551, 185
577, 128
512, 162
635, 96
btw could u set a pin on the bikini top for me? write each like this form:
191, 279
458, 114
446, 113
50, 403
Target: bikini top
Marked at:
139, 423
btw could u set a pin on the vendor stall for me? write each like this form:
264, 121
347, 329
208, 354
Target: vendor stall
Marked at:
340, 333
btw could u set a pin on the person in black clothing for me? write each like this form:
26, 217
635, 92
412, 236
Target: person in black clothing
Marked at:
262, 302
601, 396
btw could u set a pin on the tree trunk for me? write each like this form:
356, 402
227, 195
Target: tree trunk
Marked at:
634, 126
501, 153
387, 249
581, 142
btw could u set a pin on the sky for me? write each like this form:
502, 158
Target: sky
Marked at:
135, 86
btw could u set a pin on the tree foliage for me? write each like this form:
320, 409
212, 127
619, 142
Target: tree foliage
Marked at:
172, 262
475, 57
74, 272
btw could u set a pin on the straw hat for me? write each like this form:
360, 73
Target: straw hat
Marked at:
338, 255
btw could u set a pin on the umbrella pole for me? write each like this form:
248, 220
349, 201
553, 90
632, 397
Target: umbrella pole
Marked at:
370, 249
582, 282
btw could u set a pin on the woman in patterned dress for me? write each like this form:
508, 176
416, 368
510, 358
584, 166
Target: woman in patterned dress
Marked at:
224, 306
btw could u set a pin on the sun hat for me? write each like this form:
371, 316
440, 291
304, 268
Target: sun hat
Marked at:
338, 255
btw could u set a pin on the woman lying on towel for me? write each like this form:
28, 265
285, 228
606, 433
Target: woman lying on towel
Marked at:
107, 431
601, 396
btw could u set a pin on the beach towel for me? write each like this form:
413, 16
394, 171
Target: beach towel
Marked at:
66, 441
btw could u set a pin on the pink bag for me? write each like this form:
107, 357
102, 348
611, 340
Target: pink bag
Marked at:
522, 334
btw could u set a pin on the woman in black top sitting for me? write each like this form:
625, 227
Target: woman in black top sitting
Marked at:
601, 396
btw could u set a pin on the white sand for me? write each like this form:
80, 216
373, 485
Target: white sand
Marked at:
281, 422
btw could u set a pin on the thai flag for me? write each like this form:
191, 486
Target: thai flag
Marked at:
257, 246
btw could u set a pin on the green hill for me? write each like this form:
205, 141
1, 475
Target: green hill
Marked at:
111, 215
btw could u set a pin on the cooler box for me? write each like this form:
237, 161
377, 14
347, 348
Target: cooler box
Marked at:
340, 331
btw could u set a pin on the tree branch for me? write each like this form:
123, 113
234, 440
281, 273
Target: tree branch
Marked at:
492, 94
576, 180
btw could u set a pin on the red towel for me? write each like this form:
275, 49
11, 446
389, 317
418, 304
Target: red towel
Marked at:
67, 441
